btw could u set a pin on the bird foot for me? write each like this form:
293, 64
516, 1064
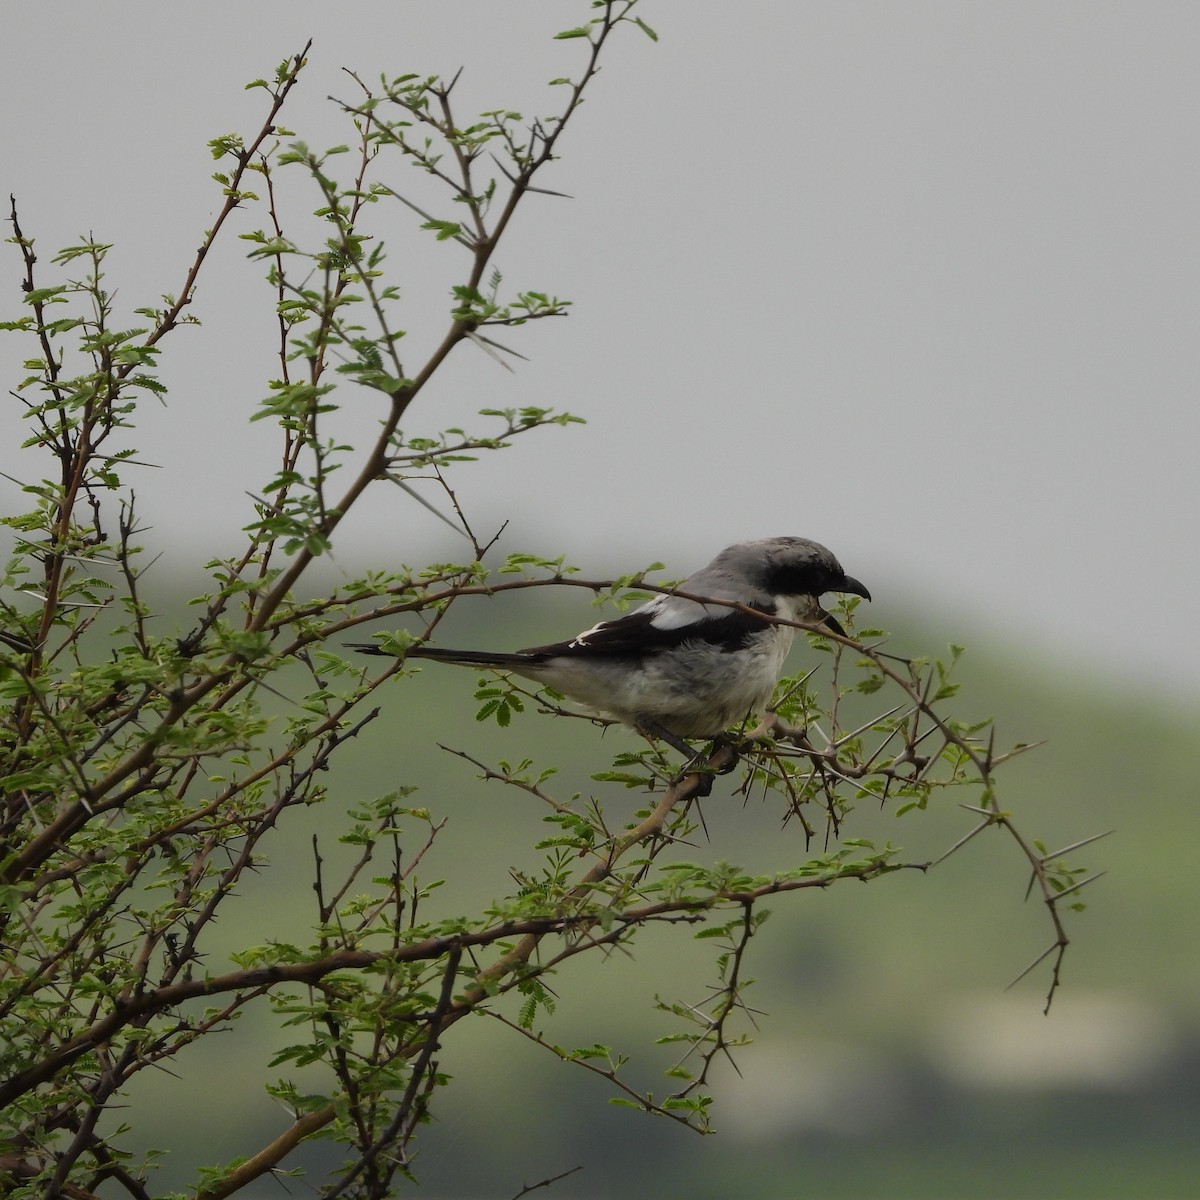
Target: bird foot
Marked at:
698, 762
734, 742
701, 763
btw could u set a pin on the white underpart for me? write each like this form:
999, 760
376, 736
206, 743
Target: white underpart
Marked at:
695, 689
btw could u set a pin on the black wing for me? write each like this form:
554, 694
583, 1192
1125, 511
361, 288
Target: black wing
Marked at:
641, 633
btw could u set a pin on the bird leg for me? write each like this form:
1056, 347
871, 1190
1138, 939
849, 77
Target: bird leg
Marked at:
651, 729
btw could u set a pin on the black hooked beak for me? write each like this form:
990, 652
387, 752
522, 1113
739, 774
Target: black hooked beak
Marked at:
848, 584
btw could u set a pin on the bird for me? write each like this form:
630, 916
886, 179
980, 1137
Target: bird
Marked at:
687, 663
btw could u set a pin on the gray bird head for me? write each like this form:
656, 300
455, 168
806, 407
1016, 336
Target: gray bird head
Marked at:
791, 566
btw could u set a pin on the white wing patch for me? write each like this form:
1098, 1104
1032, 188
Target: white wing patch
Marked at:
666, 613
674, 612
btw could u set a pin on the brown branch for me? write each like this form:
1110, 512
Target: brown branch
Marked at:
483, 250
170, 316
408, 1109
21, 1170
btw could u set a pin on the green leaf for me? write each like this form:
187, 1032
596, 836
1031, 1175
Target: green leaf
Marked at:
444, 229
596, 1050
41, 295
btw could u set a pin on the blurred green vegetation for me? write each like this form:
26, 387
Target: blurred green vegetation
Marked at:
889, 1060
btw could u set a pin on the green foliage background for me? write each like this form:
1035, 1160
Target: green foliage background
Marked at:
858, 1084
856, 984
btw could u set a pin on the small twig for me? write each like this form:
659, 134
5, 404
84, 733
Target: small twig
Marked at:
533, 1187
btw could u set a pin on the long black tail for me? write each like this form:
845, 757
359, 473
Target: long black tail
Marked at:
461, 658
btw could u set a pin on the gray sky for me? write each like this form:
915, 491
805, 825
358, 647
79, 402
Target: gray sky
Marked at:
917, 280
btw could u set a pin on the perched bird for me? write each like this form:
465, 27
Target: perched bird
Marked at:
678, 667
